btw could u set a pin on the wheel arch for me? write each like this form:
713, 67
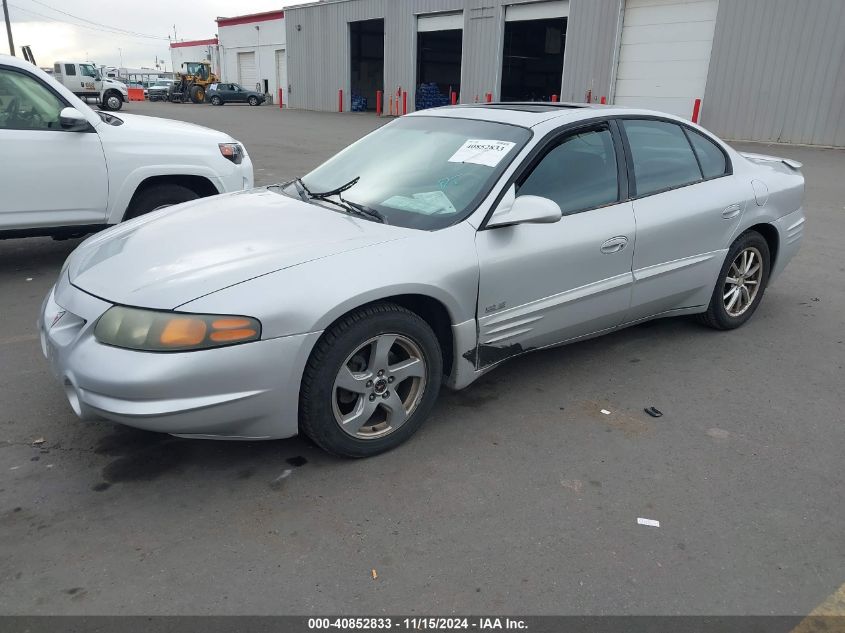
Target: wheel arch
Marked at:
430, 309
772, 237
200, 184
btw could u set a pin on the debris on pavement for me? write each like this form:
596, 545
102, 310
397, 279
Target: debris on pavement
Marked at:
653, 412
573, 484
605, 411
38, 442
374, 574
648, 522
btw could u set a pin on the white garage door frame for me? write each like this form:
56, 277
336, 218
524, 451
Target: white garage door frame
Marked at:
281, 73
447, 21
247, 70
663, 55
537, 10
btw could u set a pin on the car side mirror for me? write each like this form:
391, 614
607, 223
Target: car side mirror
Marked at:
73, 120
524, 210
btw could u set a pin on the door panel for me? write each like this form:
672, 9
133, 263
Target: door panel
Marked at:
50, 177
543, 284
682, 239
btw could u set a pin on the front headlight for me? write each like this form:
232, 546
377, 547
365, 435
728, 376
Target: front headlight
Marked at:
233, 152
153, 331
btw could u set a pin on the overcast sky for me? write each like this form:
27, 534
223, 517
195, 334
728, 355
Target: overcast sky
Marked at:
89, 32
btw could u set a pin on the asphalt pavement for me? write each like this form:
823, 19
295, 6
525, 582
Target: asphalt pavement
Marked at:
518, 496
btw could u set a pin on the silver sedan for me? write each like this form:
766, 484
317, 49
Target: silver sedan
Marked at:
426, 253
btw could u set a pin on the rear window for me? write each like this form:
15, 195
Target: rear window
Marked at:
663, 158
710, 156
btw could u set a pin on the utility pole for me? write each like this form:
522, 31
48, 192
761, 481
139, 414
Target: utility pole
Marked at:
9, 29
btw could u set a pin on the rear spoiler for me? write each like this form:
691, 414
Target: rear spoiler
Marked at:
763, 158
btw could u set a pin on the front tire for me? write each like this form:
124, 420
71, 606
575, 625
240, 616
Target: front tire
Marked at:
216, 101
112, 100
157, 197
741, 284
253, 101
197, 94
371, 381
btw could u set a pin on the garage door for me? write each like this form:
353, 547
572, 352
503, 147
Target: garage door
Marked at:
247, 75
665, 53
281, 73
537, 10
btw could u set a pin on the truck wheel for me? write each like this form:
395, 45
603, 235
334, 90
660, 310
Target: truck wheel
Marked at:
112, 100
157, 197
197, 94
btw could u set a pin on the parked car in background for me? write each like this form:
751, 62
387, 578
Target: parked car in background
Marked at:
428, 252
221, 93
160, 90
70, 170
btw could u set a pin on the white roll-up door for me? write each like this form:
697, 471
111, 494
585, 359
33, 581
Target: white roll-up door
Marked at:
537, 10
440, 22
281, 73
247, 74
665, 54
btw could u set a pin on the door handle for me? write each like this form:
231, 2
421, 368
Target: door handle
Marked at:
614, 244
732, 211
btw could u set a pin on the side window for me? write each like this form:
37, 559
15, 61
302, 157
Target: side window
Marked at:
663, 158
579, 173
26, 103
70, 69
710, 156
57, 69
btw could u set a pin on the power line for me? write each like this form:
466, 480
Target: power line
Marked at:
105, 28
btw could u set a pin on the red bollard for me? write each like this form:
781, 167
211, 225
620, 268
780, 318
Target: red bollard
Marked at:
554, 98
454, 98
696, 110
404, 103
603, 101
340, 100
281, 101
588, 97
489, 97
378, 102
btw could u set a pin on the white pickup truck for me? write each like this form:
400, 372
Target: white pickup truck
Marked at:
68, 170
86, 82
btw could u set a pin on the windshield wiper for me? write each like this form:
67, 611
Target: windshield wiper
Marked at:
363, 210
322, 195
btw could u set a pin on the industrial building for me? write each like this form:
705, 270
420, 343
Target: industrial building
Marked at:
765, 70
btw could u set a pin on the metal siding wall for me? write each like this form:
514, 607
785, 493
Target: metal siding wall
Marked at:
777, 72
590, 48
319, 64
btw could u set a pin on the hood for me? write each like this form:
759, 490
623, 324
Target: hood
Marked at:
164, 128
111, 83
175, 255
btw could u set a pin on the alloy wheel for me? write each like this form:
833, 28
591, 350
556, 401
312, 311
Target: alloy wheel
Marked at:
379, 386
743, 281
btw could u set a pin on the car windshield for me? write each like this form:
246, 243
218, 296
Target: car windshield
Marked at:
419, 172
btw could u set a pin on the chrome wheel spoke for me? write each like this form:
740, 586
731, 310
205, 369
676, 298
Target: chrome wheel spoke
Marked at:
359, 416
381, 349
733, 300
753, 272
731, 280
750, 282
346, 379
730, 293
411, 368
396, 408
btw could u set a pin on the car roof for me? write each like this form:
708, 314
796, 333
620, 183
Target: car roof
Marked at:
532, 113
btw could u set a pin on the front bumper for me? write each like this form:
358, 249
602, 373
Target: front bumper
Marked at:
240, 178
247, 391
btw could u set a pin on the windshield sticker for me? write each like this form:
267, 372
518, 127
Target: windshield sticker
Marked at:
428, 203
482, 152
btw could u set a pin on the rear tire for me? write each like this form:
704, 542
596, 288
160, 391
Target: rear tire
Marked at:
740, 287
112, 100
393, 404
157, 197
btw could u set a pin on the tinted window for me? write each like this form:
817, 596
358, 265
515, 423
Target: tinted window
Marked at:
710, 157
57, 69
663, 158
70, 69
578, 174
26, 103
